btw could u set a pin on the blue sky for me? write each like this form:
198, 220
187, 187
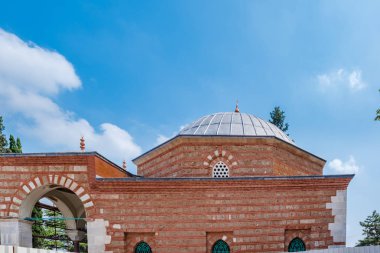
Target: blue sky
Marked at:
129, 74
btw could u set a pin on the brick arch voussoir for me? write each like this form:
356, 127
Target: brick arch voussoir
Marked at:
220, 155
39, 181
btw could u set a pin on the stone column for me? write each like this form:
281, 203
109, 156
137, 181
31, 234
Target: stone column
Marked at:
16, 232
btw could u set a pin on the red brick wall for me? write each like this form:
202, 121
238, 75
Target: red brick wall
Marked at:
192, 157
105, 169
192, 217
184, 215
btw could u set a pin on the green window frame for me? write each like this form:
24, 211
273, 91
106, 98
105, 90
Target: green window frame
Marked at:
220, 246
296, 245
143, 247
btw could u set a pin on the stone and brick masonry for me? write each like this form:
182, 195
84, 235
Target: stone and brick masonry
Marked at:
275, 193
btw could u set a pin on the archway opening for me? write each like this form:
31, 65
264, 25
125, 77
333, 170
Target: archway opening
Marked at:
57, 217
296, 245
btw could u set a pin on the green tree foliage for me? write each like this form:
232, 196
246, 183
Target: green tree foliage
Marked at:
378, 114
14, 145
49, 230
37, 229
371, 230
19, 146
3, 138
277, 118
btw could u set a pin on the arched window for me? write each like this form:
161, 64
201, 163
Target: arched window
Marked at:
220, 170
220, 246
143, 247
296, 245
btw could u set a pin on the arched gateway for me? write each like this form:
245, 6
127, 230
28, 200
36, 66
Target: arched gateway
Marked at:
67, 196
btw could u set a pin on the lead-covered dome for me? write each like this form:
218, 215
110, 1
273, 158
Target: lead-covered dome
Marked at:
233, 124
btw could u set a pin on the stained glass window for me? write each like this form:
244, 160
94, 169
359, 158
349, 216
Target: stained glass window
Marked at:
143, 247
220, 170
220, 246
296, 245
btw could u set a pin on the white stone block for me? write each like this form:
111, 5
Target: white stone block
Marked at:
62, 181
116, 226
73, 186
85, 197
80, 168
26, 189
68, 182
38, 182
32, 185
89, 204
79, 191
56, 179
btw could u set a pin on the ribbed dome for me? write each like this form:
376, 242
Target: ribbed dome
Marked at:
233, 124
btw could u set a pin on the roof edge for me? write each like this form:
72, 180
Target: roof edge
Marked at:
226, 136
89, 153
350, 176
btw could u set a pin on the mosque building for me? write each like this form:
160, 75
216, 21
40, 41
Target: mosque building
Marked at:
227, 182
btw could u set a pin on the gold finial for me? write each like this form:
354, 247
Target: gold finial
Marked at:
82, 144
237, 106
124, 165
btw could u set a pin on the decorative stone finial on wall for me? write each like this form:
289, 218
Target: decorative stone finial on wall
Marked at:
82, 144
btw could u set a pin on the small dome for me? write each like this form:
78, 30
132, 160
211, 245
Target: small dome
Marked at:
233, 124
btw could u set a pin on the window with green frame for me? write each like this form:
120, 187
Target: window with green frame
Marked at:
143, 247
296, 245
220, 246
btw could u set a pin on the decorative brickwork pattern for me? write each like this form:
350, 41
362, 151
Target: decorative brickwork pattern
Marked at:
48, 180
195, 157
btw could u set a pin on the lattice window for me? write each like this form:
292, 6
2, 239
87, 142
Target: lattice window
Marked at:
296, 245
220, 170
143, 247
220, 246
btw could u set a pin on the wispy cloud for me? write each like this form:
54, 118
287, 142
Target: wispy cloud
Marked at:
30, 77
342, 78
161, 139
348, 166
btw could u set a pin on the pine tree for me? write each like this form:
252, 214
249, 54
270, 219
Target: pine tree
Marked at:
371, 230
12, 145
3, 138
277, 118
19, 146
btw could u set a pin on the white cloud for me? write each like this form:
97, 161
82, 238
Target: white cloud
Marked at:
348, 167
342, 78
29, 77
161, 139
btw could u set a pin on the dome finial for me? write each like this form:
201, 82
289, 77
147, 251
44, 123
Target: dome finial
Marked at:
237, 106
